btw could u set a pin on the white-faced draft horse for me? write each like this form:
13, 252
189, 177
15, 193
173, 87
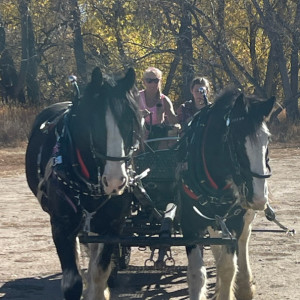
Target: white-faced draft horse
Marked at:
223, 181
78, 165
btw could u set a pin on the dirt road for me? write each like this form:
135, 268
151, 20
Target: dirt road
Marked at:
30, 268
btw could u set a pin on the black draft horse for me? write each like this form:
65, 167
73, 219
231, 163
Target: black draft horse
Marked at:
222, 181
78, 165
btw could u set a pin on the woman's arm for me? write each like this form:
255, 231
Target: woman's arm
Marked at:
169, 110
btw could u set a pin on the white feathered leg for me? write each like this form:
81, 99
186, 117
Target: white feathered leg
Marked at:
245, 286
226, 267
196, 274
97, 277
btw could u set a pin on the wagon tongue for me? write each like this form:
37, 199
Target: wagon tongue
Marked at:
271, 216
142, 175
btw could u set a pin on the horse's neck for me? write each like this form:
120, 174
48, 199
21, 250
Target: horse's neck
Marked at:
217, 159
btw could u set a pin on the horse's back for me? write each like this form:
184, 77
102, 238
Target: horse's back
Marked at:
48, 114
39, 140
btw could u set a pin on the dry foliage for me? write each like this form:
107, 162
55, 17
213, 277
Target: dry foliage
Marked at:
286, 132
15, 124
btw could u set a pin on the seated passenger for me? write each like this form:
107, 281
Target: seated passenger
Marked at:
156, 107
200, 90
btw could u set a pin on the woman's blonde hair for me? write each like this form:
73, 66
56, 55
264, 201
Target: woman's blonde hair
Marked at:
153, 70
157, 73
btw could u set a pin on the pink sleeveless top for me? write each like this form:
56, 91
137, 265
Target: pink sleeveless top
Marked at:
156, 111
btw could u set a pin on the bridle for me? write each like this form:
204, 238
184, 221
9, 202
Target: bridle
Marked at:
233, 151
96, 154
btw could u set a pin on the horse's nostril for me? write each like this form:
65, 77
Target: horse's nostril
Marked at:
123, 180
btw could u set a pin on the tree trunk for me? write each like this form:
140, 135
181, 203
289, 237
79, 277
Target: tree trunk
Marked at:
185, 46
295, 64
270, 74
8, 72
171, 73
29, 66
78, 42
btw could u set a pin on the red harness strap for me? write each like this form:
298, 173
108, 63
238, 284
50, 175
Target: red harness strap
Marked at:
83, 167
210, 180
189, 192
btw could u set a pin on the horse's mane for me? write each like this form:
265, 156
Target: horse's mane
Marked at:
225, 99
122, 102
126, 108
247, 118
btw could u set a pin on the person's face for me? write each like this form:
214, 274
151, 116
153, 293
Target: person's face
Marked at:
197, 92
151, 82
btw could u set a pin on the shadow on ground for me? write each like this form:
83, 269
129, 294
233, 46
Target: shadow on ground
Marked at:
155, 285
137, 284
37, 288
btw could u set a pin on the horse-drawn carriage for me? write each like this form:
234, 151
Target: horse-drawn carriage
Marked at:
80, 164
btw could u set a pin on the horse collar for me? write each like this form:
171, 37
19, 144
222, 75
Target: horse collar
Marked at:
208, 176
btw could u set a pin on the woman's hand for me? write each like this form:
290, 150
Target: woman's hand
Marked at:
145, 113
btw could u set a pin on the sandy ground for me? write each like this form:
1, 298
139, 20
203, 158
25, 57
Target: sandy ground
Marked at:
30, 268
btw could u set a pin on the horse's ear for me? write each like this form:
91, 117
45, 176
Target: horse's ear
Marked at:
239, 104
267, 106
96, 77
95, 84
129, 80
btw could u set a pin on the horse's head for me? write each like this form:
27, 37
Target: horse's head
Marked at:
247, 136
106, 128
257, 136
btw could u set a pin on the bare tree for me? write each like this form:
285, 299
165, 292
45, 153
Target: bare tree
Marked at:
78, 40
275, 27
8, 72
29, 63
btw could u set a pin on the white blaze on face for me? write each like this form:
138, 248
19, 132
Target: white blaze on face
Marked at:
114, 178
256, 151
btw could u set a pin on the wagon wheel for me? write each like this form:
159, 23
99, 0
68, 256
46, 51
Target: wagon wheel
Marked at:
125, 257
